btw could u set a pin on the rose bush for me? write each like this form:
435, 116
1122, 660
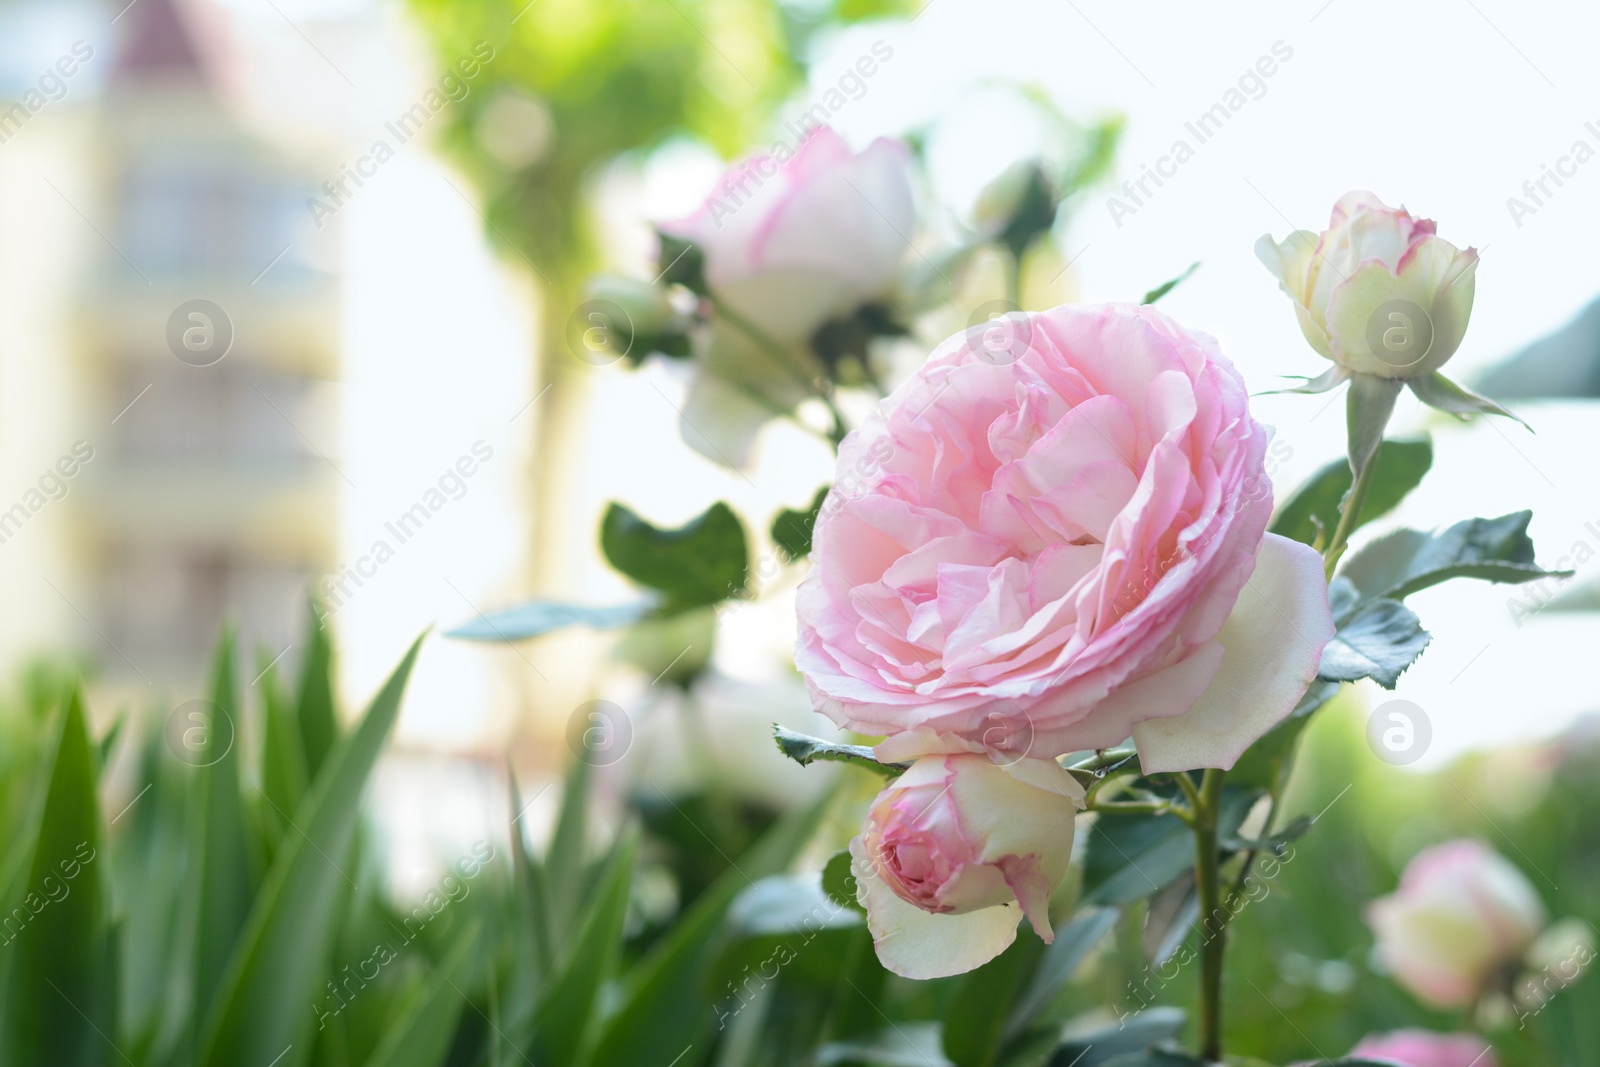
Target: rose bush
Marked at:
790, 242
1461, 913
1063, 547
955, 851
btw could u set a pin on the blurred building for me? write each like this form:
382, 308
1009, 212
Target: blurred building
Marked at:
190, 374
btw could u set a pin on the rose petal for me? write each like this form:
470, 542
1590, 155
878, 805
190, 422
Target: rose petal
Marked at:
918, 944
1273, 643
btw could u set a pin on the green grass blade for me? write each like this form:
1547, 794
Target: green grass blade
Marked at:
319, 721
60, 1001
283, 760
264, 1006
565, 1016
221, 881
663, 1009
421, 1034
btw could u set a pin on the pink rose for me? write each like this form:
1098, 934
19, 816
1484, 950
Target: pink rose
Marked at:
1050, 545
1377, 292
1419, 1048
791, 241
955, 851
1460, 914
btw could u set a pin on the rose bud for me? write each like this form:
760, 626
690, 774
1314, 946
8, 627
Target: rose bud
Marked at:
1377, 292
1461, 914
791, 241
1050, 545
955, 851
1420, 1048
1387, 300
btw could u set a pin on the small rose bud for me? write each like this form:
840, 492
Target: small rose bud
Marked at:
1377, 292
1460, 914
955, 851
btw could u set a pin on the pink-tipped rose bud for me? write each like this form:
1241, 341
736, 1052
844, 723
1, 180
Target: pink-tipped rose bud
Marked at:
955, 851
1461, 913
1420, 1048
1377, 292
792, 240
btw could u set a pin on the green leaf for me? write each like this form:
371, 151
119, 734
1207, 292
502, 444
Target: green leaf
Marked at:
839, 883
662, 1005
702, 562
791, 530
319, 721
1401, 466
1060, 962
1368, 405
975, 1020
222, 883
1167, 286
1377, 639
564, 1017
1132, 1036
807, 750
681, 262
1408, 561
277, 970
420, 1034
61, 997
1437, 391
1131, 856
538, 617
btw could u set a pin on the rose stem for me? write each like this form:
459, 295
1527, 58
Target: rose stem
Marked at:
1208, 881
1349, 513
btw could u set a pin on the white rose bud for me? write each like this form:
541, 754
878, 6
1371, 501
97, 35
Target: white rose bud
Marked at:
1462, 913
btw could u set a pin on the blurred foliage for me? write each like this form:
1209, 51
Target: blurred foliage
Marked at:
583, 81
219, 894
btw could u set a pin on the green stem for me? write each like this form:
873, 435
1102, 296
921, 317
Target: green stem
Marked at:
1349, 515
1208, 882
786, 358
1013, 269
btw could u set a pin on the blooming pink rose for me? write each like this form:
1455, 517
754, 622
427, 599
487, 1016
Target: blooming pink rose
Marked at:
1461, 913
955, 851
791, 241
1377, 292
1054, 546
1420, 1048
